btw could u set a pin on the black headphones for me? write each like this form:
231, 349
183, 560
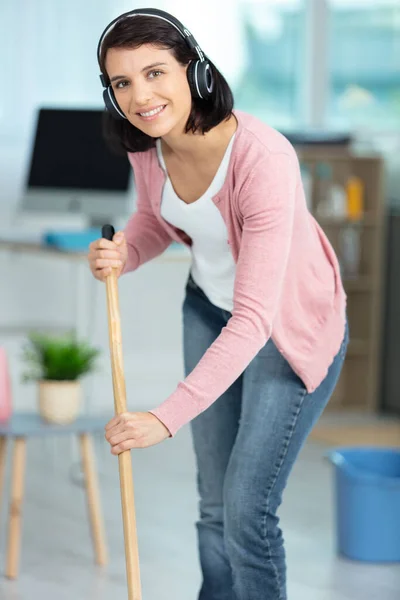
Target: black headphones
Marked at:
199, 72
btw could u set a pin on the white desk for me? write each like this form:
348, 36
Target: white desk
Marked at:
83, 286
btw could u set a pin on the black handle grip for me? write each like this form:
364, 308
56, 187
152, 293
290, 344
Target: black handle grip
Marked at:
107, 232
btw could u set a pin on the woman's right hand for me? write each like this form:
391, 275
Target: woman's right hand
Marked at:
105, 255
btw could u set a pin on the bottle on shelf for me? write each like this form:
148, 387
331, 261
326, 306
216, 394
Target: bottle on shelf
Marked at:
338, 202
355, 199
331, 195
350, 235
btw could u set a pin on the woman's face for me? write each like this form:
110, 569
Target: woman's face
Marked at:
151, 88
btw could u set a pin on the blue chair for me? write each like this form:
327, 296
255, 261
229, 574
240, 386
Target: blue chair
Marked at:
18, 429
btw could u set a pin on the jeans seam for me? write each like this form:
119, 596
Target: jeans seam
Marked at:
269, 492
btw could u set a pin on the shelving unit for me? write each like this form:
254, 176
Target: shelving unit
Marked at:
358, 387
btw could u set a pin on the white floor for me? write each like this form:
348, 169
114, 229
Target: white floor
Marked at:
57, 558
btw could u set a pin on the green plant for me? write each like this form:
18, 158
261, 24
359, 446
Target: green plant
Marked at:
61, 358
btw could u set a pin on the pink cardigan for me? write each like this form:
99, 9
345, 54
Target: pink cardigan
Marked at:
288, 282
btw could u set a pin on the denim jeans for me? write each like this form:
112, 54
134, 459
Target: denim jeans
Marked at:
245, 445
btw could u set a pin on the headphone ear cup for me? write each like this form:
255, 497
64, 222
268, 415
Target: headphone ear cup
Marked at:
192, 80
200, 79
205, 78
112, 104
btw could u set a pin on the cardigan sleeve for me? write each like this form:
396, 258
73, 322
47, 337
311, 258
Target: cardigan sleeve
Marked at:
146, 237
267, 204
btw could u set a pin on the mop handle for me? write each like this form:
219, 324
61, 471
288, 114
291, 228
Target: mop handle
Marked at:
124, 459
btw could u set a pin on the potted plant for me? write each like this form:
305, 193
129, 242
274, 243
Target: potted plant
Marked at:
57, 364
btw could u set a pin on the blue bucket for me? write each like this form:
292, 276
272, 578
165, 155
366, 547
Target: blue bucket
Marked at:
367, 498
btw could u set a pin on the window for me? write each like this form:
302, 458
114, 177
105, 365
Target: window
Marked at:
364, 61
269, 86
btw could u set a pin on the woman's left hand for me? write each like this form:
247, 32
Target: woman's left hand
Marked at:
135, 430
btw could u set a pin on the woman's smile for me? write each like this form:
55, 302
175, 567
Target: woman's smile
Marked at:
152, 113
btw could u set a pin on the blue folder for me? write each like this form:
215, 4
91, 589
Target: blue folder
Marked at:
71, 241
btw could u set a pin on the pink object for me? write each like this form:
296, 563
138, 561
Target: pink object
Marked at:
288, 282
5, 387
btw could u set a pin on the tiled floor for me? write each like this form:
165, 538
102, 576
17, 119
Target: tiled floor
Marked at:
56, 562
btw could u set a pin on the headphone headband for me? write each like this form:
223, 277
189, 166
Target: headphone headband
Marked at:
159, 14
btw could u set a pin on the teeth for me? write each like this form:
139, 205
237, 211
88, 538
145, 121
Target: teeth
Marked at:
152, 112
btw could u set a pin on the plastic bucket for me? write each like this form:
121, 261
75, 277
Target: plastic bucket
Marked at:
367, 495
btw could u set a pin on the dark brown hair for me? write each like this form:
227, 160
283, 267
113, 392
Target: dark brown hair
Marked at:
132, 32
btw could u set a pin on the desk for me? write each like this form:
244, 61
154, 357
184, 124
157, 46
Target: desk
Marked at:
18, 429
84, 287
176, 252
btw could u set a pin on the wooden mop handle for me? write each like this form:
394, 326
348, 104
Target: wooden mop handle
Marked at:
124, 459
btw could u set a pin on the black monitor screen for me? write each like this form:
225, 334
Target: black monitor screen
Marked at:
70, 153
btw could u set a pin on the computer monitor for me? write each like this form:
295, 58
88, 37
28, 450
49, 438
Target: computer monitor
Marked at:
73, 170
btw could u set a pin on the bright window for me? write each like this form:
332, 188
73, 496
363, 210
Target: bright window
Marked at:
364, 61
270, 83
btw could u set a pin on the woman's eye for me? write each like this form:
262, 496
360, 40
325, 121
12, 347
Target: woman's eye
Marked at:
153, 74
121, 84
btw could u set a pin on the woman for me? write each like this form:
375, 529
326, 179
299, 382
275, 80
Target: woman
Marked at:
264, 315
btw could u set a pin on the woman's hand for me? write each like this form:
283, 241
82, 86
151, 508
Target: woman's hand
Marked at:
135, 430
105, 255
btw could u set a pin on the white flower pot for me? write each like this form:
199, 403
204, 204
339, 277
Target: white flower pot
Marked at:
59, 401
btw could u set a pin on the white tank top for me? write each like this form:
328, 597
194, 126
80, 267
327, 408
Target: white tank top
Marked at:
213, 268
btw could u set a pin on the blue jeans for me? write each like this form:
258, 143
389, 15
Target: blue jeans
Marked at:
245, 445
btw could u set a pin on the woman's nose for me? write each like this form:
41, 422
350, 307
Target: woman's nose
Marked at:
141, 96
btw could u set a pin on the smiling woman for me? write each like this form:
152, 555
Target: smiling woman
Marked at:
148, 65
264, 315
